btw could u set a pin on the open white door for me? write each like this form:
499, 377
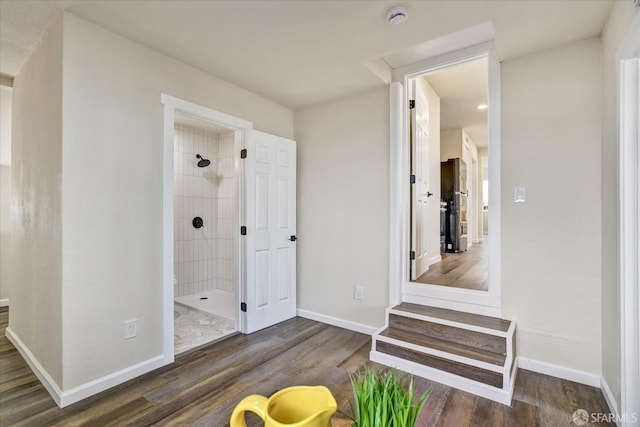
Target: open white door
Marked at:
270, 189
419, 133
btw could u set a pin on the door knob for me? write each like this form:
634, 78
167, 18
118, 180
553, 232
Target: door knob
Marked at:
293, 238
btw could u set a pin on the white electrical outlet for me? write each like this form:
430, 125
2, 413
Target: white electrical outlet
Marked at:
358, 293
130, 328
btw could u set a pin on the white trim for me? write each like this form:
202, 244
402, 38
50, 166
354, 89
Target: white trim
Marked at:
557, 371
106, 382
629, 200
444, 61
608, 397
417, 294
443, 354
335, 321
435, 259
481, 302
452, 323
4, 302
76, 394
397, 237
171, 106
484, 390
40, 372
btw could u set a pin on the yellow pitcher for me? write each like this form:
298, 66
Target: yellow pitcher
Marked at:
301, 406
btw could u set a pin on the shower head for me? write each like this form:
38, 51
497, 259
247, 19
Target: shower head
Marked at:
203, 163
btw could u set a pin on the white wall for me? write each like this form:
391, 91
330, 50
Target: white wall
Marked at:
450, 144
36, 273
343, 206
113, 208
99, 157
5, 125
5, 233
620, 19
5, 191
551, 248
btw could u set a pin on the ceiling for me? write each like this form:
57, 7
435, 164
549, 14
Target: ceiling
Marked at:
300, 53
461, 90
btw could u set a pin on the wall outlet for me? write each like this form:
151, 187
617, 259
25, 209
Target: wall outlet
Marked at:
358, 293
130, 328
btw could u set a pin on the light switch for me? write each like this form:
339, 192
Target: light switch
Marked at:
518, 194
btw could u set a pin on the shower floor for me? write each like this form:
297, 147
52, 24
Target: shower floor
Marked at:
195, 328
218, 303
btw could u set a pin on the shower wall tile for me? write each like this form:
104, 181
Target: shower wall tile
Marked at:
195, 194
206, 258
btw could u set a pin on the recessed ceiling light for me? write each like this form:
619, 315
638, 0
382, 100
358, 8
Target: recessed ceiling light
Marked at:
397, 15
482, 107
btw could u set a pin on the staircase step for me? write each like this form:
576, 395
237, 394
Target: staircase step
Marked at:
461, 350
472, 352
460, 319
480, 340
484, 376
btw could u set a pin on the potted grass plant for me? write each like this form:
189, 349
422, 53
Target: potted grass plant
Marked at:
384, 400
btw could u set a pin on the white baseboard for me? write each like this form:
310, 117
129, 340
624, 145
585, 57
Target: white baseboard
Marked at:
435, 259
42, 374
611, 401
461, 383
565, 373
67, 397
4, 302
335, 321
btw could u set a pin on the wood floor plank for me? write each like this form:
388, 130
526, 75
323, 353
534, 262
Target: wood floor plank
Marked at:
469, 269
456, 316
202, 387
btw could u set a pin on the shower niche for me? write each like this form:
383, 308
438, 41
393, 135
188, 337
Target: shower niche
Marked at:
205, 200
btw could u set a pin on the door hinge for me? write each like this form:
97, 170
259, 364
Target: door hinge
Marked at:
412, 255
412, 104
243, 153
243, 230
243, 307
412, 179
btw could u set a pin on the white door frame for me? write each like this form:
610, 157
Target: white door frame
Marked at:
400, 288
629, 239
173, 105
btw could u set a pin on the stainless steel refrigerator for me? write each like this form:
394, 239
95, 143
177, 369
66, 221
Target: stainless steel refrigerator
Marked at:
453, 181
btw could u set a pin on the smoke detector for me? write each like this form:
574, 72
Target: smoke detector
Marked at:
397, 15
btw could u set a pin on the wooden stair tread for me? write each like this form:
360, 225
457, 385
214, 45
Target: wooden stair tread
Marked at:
445, 346
456, 316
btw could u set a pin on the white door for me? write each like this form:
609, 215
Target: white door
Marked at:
419, 116
270, 188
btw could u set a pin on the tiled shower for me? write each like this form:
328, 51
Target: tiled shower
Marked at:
205, 259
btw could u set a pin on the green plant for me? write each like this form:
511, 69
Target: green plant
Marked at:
383, 400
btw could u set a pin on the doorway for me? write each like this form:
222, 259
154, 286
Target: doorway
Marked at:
448, 137
246, 179
206, 217
402, 288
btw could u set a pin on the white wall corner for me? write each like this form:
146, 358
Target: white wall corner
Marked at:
335, 321
4, 302
610, 399
570, 374
66, 398
49, 384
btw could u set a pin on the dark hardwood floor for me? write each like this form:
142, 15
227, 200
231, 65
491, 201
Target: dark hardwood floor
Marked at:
468, 270
202, 387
